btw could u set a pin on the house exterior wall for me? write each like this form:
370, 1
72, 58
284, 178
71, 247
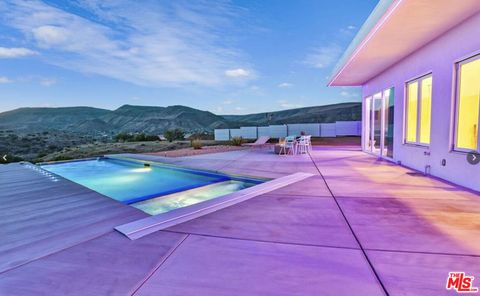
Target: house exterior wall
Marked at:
439, 58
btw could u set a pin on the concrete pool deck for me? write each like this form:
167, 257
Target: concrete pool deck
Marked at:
359, 226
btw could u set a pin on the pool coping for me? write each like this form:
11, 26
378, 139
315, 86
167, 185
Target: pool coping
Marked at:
159, 162
204, 172
145, 226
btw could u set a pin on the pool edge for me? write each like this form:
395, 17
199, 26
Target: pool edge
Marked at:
145, 226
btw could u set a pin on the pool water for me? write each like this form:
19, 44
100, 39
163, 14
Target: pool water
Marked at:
154, 189
182, 199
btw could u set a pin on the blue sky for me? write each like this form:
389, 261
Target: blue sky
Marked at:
228, 57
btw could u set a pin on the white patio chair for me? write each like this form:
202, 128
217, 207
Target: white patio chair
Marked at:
309, 142
302, 145
289, 146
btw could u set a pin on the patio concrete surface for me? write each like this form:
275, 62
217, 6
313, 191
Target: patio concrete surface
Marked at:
360, 226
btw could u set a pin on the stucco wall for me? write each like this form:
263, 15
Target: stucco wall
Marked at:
439, 58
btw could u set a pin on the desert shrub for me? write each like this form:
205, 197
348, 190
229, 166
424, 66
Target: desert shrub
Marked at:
152, 138
41, 154
144, 137
62, 157
174, 134
237, 141
122, 137
196, 143
201, 136
127, 137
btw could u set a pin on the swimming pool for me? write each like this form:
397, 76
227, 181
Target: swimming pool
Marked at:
151, 188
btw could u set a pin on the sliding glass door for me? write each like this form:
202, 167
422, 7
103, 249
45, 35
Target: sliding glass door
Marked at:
378, 124
367, 128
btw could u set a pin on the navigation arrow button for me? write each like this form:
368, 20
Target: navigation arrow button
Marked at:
473, 158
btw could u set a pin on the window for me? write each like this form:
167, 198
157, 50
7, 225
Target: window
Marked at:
419, 110
412, 103
468, 104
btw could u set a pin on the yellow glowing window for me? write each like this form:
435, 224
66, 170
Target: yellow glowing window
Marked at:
425, 110
419, 110
468, 104
412, 107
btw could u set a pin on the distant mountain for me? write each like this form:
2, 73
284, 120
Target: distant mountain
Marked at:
42, 119
158, 119
155, 120
323, 114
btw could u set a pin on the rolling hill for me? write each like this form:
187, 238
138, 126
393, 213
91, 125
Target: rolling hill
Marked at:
42, 119
155, 120
322, 114
158, 119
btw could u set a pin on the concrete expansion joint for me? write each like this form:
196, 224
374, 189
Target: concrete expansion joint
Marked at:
162, 261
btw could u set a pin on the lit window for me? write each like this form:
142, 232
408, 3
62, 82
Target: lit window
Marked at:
419, 109
412, 104
468, 104
426, 110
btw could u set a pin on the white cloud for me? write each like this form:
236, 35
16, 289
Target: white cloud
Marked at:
15, 52
230, 109
284, 104
227, 102
47, 105
169, 43
324, 56
348, 30
48, 81
5, 80
237, 73
285, 85
48, 36
348, 94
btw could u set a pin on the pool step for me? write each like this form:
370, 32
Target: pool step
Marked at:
142, 227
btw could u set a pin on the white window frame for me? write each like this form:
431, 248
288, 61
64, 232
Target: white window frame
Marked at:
368, 101
457, 101
368, 125
419, 80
